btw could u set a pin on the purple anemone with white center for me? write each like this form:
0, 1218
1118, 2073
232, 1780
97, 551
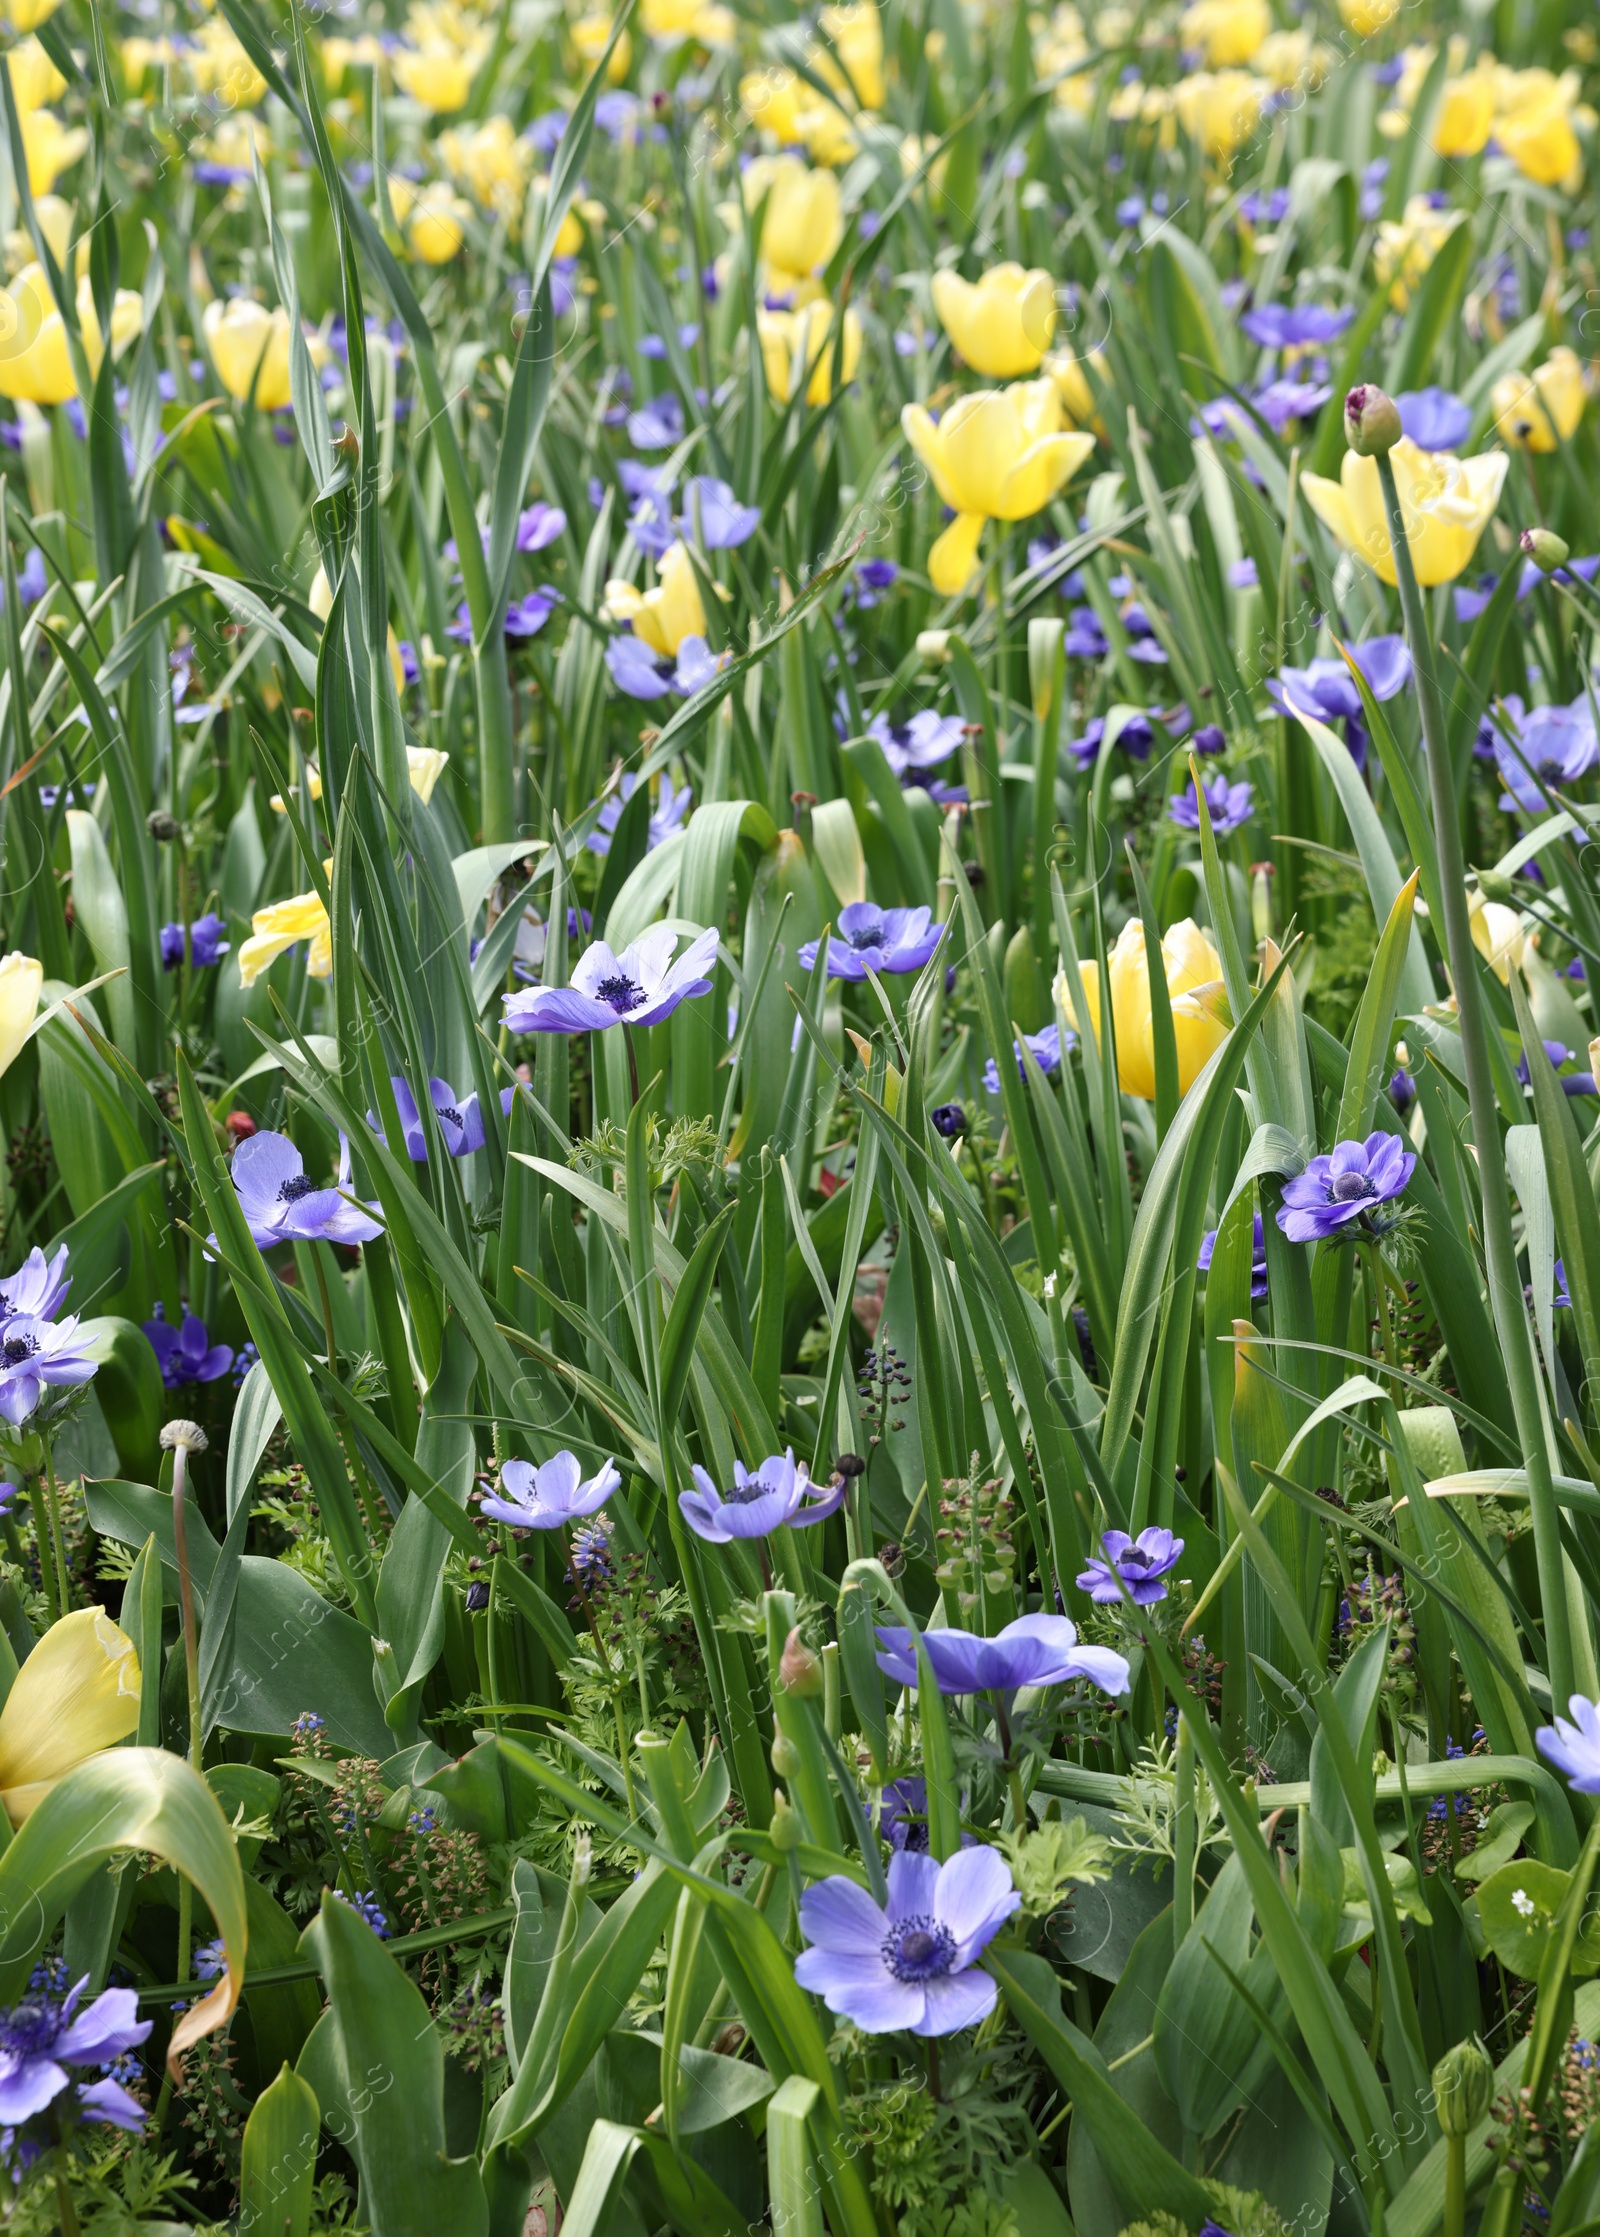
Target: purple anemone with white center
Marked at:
1046, 1048
37, 1287
460, 1119
643, 674
40, 2038
36, 1355
1574, 1748
283, 1204
1327, 690
672, 805
641, 986
550, 1496
913, 1963
1230, 806
919, 743
1039, 1650
760, 1500
868, 938
1348, 1184
1140, 1564
712, 513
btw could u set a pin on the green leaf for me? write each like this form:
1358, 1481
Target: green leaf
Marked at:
278, 2159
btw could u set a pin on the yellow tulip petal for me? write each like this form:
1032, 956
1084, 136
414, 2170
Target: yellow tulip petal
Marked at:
953, 558
20, 980
77, 1693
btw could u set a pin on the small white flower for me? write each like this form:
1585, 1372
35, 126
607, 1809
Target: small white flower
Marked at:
1522, 1903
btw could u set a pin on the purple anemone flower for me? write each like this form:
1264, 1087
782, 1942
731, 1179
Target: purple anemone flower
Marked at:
1571, 1083
911, 1965
1231, 806
206, 944
41, 2038
643, 674
868, 938
641, 986
920, 743
1575, 1748
1047, 1050
539, 526
1435, 419
712, 511
1085, 638
283, 1204
172, 946
36, 1355
186, 1353
1282, 403
872, 578
1546, 746
551, 1496
656, 426
460, 1120
1348, 1184
1032, 1651
1327, 690
762, 1500
1258, 1257
950, 1120
1284, 326
665, 817
37, 1287
1141, 1564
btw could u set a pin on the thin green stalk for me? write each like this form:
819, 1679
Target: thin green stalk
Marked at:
1183, 1837
57, 1543
1505, 1283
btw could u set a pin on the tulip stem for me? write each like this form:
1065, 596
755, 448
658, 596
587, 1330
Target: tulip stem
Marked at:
1505, 1282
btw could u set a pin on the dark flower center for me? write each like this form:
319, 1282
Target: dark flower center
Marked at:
1350, 1188
28, 2030
919, 1948
449, 1115
17, 1349
744, 1495
620, 992
865, 936
292, 1190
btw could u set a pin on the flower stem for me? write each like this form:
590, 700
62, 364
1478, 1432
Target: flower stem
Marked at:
191, 1639
57, 1544
1505, 1283
67, 2211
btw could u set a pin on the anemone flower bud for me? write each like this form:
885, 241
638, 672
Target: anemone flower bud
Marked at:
799, 1671
1545, 549
1463, 2083
1371, 421
785, 1826
785, 1756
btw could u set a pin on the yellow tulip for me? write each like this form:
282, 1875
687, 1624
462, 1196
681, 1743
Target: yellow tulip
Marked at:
55, 223
1228, 31
1406, 247
76, 1695
1073, 385
589, 36
34, 77
27, 15
1446, 504
249, 347
804, 223
1498, 935
51, 148
1002, 325
1220, 109
431, 217
776, 101
424, 764
857, 35
493, 162
279, 926
996, 455
1466, 116
340, 56
438, 78
20, 980
35, 365
809, 337
1289, 59
662, 617
688, 19
1539, 411
1193, 972
1366, 18
1543, 146
219, 66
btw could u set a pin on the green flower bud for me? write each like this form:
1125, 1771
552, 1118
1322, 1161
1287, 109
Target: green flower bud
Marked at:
1371, 421
799, 1671
1463, 2083
785, 1827
785, 1756
1545, 549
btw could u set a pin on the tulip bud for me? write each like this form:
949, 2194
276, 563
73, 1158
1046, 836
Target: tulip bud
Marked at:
785, 1826
1463, 2083
1545, 549
933, 646
785, 1756
1496, 886
799, 1671
1371, 421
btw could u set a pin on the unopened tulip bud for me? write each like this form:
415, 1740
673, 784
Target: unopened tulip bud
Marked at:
799, 1671
785, 1756
1545, 549
933, 646
1463, 2083
1371, 421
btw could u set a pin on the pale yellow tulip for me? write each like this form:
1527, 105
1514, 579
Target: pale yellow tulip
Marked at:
999, 454
809, 338
1002, 324
50, 146
664, 616
1193, 972
76, 1695
857, 35
35, 364
1466, 116
804, 223
279, 926
249, 347
1446, 503
20, 980
1498, 935
1227, 31
438, 78
1539, 411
